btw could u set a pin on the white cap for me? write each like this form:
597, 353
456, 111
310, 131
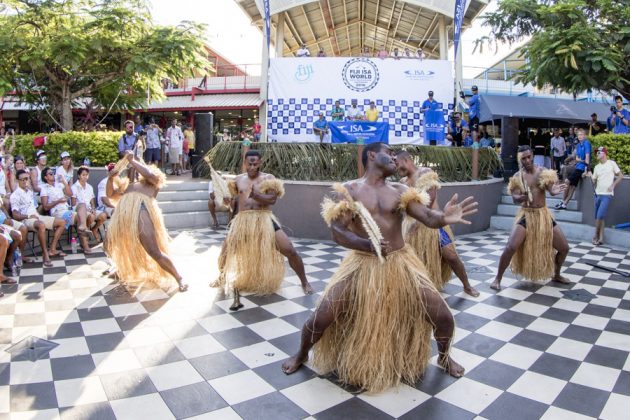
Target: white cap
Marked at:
65, 155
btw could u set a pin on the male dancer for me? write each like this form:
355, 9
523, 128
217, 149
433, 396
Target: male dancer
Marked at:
434, 247
535, 235
374, 322
252, 255
137, 240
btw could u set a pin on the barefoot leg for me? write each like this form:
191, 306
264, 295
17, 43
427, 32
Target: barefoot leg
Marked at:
452, 259
561, 245
236, 304
329, 309
213, 211
286, 248
514, 242
150, 245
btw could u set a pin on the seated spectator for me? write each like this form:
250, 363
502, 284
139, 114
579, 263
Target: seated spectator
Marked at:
303, 51
23, 210
337, 112
468, 140
66, 169
486, 140
213, 206
371, 114
104, 204
456, 130
84, 201
320, 127
15, 227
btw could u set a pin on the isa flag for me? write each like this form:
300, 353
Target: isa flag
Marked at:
267, 22
458, 19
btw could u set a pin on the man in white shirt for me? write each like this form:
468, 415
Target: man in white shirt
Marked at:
606, 176
303, 51
103, 203
559, 149
175, 138
354, 113
23, 210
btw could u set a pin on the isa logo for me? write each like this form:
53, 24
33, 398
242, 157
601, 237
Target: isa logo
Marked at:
419, 74
360, 74
303, 73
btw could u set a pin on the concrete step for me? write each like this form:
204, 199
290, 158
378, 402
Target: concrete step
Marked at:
183, 206
551, 202
184, 195
564, 215
191, 219
614, 238
576, 194
187, 185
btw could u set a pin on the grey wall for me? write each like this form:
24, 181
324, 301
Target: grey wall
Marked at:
619, 209
299, 209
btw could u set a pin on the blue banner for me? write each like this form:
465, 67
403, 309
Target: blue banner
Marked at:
434, 126
362, 132
267, 22
458, 18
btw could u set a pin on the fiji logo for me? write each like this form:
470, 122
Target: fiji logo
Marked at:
419, 74
304, 73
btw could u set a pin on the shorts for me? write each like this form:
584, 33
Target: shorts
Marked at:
575, 177
48, 221
152, 155
601, 206
276, 227
474, 123
523, 222
445, 240
104, 209
67, 215
173, 154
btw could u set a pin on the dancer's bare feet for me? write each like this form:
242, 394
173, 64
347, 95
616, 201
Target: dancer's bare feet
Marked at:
451, 366
294, 363
236, 305
308, 290
561, 279
471, 291
215, 225
496, 284
182, 286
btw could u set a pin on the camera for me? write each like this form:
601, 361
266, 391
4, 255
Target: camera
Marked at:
461, 94
142, 133
613, 109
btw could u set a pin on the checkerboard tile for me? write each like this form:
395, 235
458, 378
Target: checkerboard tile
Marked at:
529, 351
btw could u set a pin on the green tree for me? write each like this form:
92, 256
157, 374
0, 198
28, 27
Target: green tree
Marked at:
56, 53
574, 45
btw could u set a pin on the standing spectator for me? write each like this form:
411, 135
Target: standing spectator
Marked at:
138, 125
337, 112
371, 114
558, 149
430, 104
321, 53
366, 52
606, 176
571, 141
320, 127
353, 113
396, 54
382, 53
420, 54
540, 145
407, 53
473, 112
226, 135
456, 130
66, 169
303, 51
36, 172
256, 130
128, 140
583, 160
154, 146
185, 152
594, 127
620, 117
175, 139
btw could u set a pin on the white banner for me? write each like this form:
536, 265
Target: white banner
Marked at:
301, 88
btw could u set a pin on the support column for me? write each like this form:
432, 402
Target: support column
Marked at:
443, 38
280, 35
264, 80
459, 74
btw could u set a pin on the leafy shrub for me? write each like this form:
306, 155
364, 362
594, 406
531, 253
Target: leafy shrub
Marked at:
100, 147
618, 147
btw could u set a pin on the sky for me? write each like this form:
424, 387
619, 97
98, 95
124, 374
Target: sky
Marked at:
231, 34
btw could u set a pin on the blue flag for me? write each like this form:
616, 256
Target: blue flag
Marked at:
267, 22
458, 19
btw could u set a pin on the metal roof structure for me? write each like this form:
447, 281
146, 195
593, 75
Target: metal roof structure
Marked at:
344, 28
220, 101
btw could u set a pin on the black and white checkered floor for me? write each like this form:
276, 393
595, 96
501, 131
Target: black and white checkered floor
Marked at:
529, 351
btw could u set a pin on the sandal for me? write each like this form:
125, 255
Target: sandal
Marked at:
8, 280
48, 264
57, 254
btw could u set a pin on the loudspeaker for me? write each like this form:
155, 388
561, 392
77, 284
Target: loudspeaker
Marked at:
203, 141
509, 146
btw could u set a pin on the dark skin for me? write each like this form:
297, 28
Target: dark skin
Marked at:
147, 238
250, 198
382, 198
531, 173
212, 208
411, 172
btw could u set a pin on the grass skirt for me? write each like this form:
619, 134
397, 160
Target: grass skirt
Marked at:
382, 337
134, 266
425, 242
534, 260
250, 260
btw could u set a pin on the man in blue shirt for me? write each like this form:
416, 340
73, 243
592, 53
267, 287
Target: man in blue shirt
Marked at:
430, 104
456, 130
583, 159
620, 118
128, 140
473, 111
320, 127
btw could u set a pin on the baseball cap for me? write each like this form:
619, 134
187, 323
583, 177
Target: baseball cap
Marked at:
603, 150
65, 155
430, 93
40, 153
474, 87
